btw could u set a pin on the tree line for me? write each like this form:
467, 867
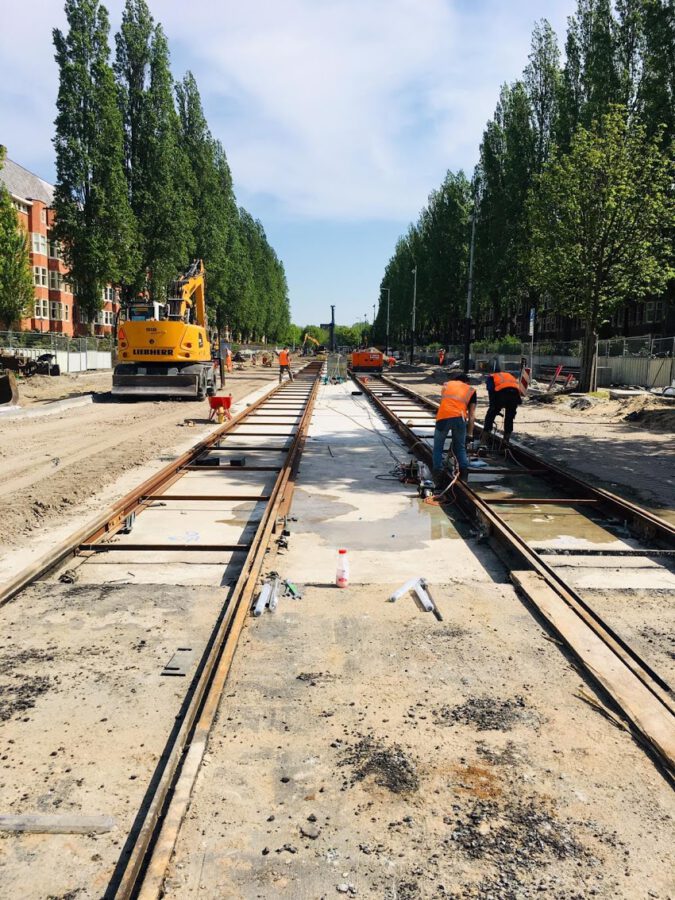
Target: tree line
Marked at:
143, 186
572, 199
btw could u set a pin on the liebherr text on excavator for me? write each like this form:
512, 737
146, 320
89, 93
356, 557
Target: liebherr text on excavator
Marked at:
164, 348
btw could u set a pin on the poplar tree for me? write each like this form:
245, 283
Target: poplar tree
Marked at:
94, 220
657, 87
16, 283
542, 79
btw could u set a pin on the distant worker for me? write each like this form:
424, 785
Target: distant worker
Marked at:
456, 415
391, 361
441, 356
504, 393
285, 364
228, 359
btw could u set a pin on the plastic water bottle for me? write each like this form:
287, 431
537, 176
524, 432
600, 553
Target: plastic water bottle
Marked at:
342, 575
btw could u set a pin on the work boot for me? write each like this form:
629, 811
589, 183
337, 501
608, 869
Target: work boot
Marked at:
440, 478
464, 475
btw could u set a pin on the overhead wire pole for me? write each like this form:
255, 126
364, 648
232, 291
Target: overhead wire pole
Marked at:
469, 295
388, 295
414, 310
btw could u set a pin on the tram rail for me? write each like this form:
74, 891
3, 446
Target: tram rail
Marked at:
643, 696
273, 425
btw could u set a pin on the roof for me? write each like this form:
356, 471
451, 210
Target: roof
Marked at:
24, 184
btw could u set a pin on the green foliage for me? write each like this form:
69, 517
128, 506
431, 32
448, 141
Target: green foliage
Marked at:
94, 219
599, 217
438, 246
16, 283
592, 231
142, 185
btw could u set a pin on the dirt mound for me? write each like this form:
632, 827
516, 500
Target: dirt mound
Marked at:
659, 419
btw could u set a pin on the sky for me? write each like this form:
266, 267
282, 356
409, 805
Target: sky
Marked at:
338, 117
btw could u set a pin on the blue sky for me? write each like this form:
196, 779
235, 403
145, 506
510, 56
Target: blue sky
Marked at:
338, 116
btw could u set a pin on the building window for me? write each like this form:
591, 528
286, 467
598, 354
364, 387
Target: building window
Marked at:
55, 280
84, 318
66, 288
41, 309
66, 312
38, 243
108, 294
654, 311
43, 216
54, 250
20, 206
55, 312
40, 276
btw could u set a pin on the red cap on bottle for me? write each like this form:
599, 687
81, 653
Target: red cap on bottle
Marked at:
342, 551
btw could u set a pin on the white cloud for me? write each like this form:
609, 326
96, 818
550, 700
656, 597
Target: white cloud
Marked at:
344, 109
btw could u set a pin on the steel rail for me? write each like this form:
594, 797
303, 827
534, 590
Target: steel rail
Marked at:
113, 518
645, 522
142, 864
504, 539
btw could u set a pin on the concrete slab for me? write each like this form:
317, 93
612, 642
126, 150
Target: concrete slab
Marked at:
347, 497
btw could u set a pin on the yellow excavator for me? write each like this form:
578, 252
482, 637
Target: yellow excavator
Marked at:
163, 348
307, 350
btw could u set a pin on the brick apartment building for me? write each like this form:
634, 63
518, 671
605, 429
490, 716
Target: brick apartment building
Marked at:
55, 307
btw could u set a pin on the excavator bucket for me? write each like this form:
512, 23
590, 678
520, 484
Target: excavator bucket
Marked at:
180, 385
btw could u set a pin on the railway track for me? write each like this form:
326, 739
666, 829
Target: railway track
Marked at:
515, 498
207, 519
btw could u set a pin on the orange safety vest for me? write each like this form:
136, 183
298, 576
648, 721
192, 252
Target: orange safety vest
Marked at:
283, 358
505, 380
455, 399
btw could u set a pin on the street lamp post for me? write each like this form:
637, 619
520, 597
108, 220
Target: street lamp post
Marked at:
469, 296
414, 310
388, 295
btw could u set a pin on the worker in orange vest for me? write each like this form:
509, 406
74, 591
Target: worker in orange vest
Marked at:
228, 359
504, 393
285, 364
456, 415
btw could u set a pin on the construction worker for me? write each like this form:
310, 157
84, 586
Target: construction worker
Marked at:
504, 393
441, 356
456, 415
285, 364
228, 359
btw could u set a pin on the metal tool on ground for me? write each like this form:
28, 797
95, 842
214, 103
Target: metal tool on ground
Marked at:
418, 588
267, 598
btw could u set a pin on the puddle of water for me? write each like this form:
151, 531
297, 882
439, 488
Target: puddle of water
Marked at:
408, 529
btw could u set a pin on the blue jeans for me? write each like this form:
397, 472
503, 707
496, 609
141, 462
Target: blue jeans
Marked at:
457, 427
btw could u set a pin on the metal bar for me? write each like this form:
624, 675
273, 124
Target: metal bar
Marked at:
177, 548
241, 497
209, 468
560, 501
580, 551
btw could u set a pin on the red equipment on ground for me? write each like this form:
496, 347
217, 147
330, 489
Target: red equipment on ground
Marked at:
216, 403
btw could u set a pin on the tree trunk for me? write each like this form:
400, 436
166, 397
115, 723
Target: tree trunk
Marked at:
587, 357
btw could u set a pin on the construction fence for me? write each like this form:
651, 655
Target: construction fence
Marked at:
71, 354
646, 361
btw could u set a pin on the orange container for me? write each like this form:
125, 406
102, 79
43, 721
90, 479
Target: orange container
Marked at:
367, 360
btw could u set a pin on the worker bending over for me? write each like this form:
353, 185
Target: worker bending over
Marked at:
456, 416
285, 364
504, 393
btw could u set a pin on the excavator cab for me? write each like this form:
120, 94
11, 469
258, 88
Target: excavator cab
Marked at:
163, 348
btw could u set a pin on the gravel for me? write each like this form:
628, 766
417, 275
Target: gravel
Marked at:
488, 713
390, 765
